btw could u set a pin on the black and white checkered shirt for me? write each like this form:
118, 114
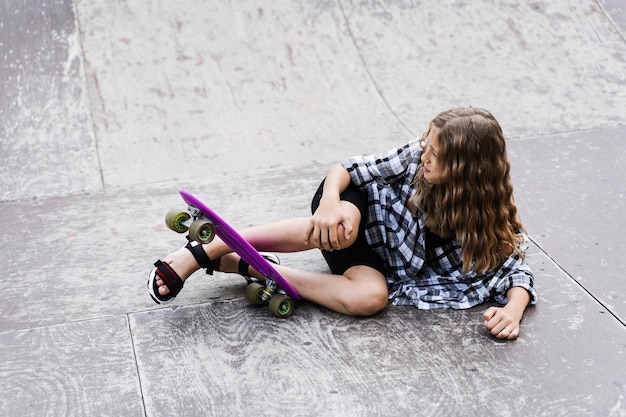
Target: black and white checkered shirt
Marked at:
423, 269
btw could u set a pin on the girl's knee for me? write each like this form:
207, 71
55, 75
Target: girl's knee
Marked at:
370, 298
373, 304
368, 306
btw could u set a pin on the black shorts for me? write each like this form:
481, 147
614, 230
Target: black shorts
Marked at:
360, 252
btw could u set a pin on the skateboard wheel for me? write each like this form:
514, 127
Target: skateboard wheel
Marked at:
174, 220
254, 292
202, 231
282, 306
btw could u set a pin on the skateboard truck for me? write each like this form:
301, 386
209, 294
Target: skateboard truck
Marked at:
280, 304
268, 292
193, 221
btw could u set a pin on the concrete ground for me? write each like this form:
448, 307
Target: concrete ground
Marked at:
108, 108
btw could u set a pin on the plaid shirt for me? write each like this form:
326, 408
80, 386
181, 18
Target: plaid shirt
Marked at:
422, 269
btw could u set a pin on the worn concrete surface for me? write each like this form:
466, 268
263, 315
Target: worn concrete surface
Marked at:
109, 107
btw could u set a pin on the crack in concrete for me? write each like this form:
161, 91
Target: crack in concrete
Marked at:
369, 73
90, 88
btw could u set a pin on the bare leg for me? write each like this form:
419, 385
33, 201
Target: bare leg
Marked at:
361, 290
284, 236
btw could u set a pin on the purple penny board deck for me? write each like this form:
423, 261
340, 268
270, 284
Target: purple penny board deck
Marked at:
240, 245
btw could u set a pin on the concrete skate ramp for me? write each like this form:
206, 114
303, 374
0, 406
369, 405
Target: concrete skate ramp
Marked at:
108, 108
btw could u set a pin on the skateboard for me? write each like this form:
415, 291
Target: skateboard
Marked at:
203, 224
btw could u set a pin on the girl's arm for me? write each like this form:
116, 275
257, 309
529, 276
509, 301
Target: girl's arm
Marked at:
330, 219
504, 322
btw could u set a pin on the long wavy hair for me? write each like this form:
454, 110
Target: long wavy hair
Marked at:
474, 201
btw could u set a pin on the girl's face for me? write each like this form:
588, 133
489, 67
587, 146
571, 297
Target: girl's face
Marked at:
430, 163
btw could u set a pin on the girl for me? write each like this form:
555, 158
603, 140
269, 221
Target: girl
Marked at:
430, 224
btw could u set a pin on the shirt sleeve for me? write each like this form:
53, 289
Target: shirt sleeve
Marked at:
383, 168
514, 272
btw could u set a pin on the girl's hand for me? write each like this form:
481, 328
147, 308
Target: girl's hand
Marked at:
328, 225
501, 323
504, 322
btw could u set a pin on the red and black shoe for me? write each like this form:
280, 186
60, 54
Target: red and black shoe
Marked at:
171, 279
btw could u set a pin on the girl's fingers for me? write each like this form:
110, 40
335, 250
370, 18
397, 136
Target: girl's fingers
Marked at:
488, 315
347, 228
333, 241
514, 334
500, 325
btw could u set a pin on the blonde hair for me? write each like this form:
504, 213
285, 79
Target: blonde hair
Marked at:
474, 201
